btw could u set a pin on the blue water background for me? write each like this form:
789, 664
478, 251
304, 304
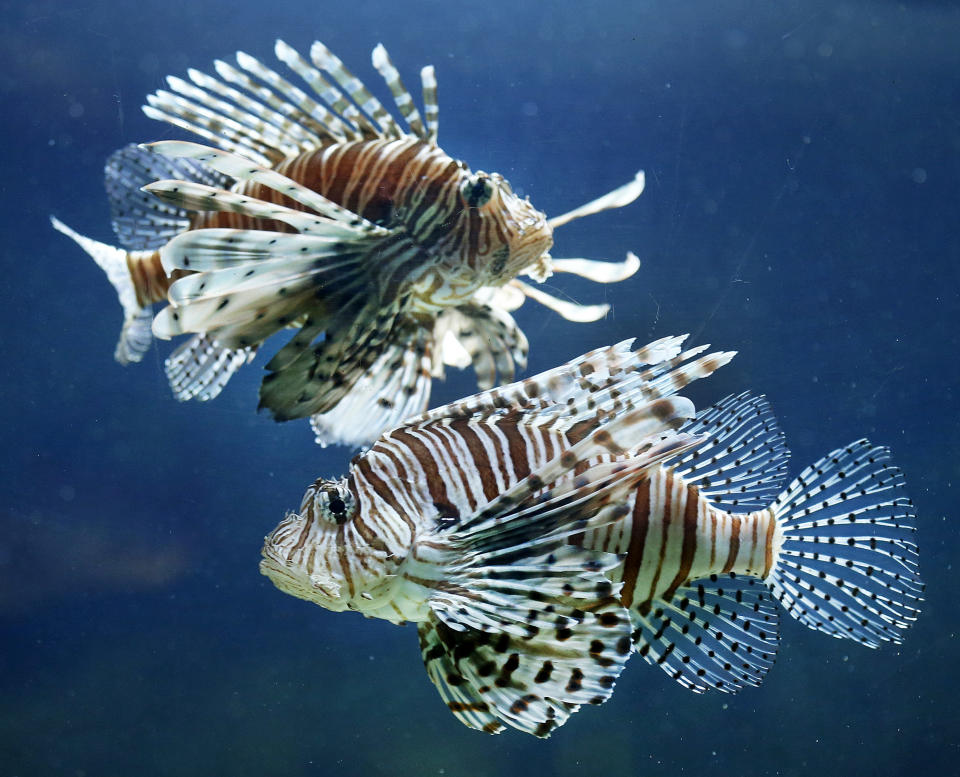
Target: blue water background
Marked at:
801, 207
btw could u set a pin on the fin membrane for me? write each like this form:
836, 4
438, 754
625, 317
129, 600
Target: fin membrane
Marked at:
847, 565
742, 464
720, 633
397, 385
201, 367
139, 220
486, 337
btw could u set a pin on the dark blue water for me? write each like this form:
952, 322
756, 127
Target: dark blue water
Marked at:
801, 207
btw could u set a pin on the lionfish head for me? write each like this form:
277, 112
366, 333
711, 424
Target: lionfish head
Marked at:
511, 233
317, 554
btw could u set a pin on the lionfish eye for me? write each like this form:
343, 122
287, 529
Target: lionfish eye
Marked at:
477, 190
338, 508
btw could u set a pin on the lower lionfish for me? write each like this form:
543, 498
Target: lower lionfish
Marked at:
321, 211
541, 533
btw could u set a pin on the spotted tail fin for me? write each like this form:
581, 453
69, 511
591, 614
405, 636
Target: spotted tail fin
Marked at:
846, 561
135, 334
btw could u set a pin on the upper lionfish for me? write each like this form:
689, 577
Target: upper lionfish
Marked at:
319, 210
540, 533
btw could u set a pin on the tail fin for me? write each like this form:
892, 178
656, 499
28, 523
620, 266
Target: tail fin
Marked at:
135, 336
846, 561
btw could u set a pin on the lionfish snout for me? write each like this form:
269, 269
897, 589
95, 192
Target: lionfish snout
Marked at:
299, 554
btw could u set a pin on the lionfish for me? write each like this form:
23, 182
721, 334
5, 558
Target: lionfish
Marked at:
541, 533
319, 210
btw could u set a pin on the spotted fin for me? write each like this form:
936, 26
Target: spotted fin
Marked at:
396, 386
201, 367
846, 562
720, 633
253, 110
140, 221
486, 337
527, 627
577, 396
321, 375
742, 464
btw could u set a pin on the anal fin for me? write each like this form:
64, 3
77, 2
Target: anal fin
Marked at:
720, 633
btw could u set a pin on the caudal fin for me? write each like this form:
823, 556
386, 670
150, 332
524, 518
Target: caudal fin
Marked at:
847, 557
135, 335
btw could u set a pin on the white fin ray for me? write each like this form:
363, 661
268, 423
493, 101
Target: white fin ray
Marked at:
619, 197
395, 387
201, 367
742, 465
597, 271
135, 332
571, 311
488, 337
199, 197
431, 112
223, 248
720, 633
243, 169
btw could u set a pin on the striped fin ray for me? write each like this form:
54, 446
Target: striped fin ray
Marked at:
252, 126
401, 96
847, 564
528, 623
198, 197
431, 111
318, 378
383, 124
256, 112
742, 464
637, 431
549, 390
141, 222
486, 337
220, 130
346, 115
263, 109
201, 367
305, 277
566, 657
396, 386
243, 169
719, 633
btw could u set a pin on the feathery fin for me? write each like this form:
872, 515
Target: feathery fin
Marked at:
846, 562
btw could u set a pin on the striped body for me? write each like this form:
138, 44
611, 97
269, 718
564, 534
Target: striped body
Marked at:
442, 245
314, 208
673, 535
422, 477
541, 533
